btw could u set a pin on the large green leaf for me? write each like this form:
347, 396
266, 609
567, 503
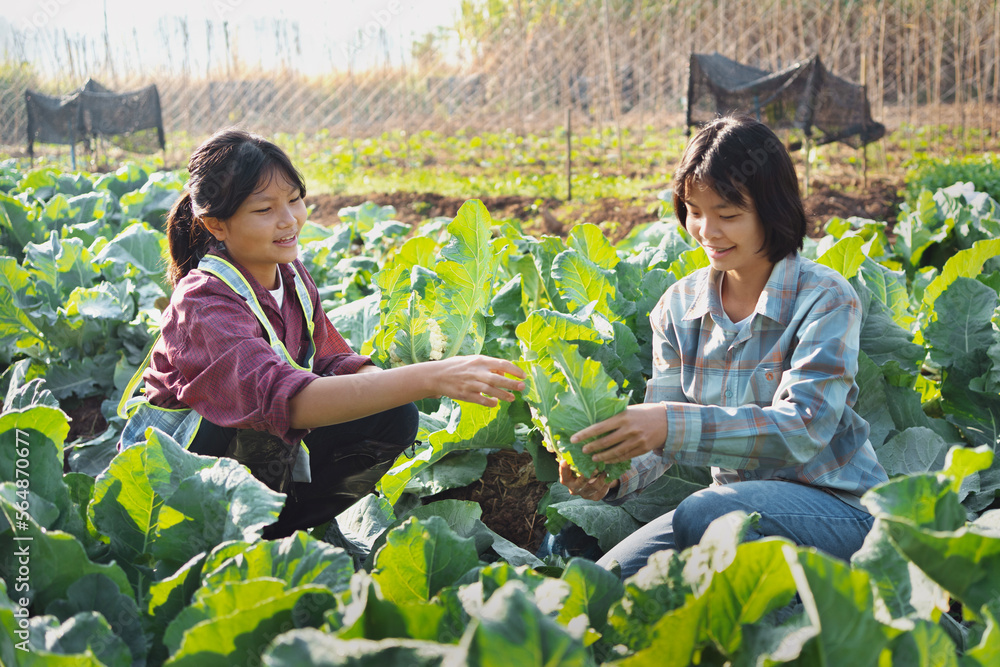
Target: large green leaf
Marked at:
913, 451
609, 524
17, 298
412, 342
588, 240
478, 427
543, 326
667, 492
467, 271
22, 222
453, 471
465, 518
297, 560
592, 592
363, 217
49, 552
845, 256
440, 313
756, 583
31, 457
963, 264
964, 562
544, 252
81, 641
61, 211
98, 593
364, 521
511, 630
871, 401
673, 637
987, 651
962, 331
101, 302
959, 339
60, 266
917, 229
166, 598
927, 501
319, 649
838, 601
688, 262
581, 282
653, 591
591, 397
223, 502
420, 558
901, 590
369, 615
889, 287
126, 178
136, 252
129, 496
357, 321
234, 624
881, 338
154, 199
926, 645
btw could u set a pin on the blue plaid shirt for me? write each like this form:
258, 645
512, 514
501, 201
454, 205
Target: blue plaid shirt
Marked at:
770, 399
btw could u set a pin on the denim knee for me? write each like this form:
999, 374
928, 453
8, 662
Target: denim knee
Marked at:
693, 515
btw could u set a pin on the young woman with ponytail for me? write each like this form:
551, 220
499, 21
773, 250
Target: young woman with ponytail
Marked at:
248, 365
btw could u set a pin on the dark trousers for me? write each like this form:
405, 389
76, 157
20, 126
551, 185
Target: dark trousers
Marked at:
345, 461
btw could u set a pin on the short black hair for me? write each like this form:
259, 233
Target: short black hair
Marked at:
738, 156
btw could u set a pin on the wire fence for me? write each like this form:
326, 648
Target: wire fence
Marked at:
522, 64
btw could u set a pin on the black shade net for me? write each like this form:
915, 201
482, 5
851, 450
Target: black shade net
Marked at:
804, 96
132, 120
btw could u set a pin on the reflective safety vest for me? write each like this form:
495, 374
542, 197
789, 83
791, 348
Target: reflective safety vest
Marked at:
182, 423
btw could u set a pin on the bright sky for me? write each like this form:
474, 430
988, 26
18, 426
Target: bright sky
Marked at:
311, 35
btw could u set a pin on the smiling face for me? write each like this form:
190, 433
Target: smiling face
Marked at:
264, 231
733, 237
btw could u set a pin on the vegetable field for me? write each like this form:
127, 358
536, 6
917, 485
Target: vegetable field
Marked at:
154, 556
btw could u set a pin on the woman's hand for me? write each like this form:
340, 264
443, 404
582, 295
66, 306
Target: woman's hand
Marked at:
634, 431
593, 488
474, 379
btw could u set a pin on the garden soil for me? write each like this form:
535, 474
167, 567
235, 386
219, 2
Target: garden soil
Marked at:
827, 199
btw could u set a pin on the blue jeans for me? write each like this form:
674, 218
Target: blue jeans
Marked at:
804, 514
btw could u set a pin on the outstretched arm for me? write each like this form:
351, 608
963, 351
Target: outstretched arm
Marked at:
343, 398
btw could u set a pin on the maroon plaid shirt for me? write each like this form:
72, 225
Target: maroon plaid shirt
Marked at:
213, 355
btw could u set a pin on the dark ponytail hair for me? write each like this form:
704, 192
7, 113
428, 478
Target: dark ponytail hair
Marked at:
225, 170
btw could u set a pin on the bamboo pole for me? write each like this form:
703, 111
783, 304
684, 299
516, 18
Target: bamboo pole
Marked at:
612, 87
996, 65
569, 153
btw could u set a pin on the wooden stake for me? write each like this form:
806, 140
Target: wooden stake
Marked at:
569, 154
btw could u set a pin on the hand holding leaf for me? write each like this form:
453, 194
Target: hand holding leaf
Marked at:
475, 379
630, 433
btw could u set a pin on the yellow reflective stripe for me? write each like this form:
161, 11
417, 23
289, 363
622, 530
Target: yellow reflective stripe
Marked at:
307, 309
248, 295
123, 403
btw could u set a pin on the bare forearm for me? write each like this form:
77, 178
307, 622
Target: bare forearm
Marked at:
342, 398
